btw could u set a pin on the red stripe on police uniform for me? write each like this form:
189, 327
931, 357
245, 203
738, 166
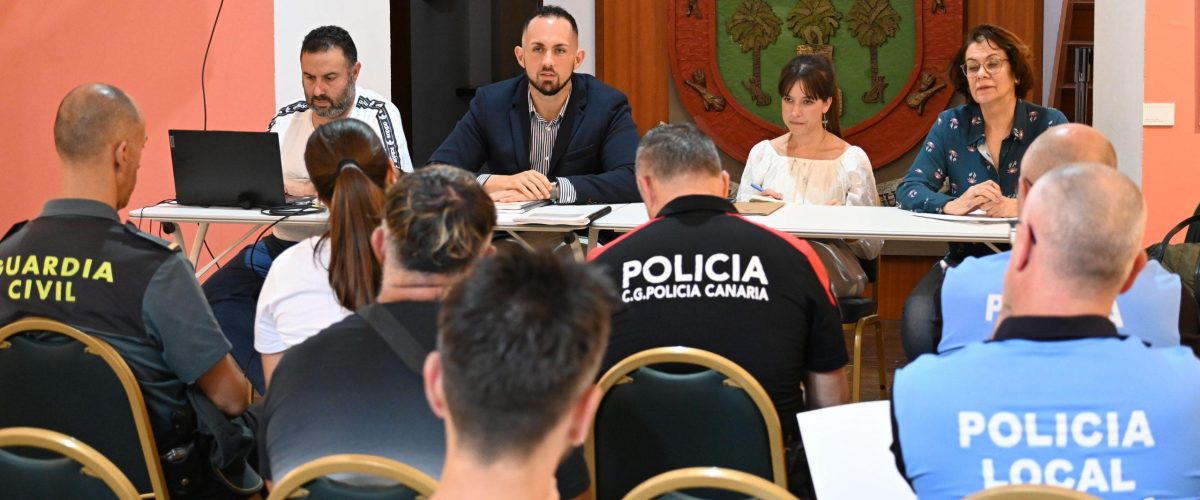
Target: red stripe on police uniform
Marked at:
804, 248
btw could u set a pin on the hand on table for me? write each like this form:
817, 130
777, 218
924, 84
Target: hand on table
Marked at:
834, 203
1006, 207
530, 183
771, 193
299, 187
973, 198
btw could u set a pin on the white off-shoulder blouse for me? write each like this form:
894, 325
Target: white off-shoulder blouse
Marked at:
847, 178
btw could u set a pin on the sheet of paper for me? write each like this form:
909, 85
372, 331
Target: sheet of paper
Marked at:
977, 216
767, 199
848, 443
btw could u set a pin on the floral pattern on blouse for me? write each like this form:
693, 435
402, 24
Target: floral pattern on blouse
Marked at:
953, 153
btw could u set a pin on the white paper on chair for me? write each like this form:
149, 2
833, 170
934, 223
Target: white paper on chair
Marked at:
849, 452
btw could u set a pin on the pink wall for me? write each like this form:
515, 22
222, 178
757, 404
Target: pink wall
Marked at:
1170, 175
150, 49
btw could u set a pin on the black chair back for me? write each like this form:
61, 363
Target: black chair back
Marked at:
652, 422
52, 381
60, 477
312, 480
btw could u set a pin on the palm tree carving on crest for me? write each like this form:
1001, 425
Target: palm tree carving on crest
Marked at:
754, 27
815, 22
873, 23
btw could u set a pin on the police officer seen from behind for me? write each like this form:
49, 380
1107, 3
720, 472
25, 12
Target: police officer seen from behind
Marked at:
76, 263
699, 275
1058, 396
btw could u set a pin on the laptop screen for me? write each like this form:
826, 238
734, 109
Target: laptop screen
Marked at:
226, 169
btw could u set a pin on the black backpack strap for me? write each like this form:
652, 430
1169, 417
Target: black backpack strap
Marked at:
395, 335
1193, 233
1161, 249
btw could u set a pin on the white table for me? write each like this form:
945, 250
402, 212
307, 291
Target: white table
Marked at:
205, 216
822, 221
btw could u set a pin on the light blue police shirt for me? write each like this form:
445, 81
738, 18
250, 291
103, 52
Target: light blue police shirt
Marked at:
971, 295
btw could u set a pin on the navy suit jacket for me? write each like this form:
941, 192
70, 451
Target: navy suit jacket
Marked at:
594, 150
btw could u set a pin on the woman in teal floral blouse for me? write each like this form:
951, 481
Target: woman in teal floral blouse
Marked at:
977, 147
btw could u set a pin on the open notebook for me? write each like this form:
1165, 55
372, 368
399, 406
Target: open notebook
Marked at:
556, 215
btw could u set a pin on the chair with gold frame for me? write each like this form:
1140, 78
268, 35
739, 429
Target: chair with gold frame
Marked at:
652, 421
75, 470
309, 480
858, 313
1030, 492
55, 377
708, 478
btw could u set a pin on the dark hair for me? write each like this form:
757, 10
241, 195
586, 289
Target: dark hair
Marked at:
1020, 59
551, 11
328, 37
520, 339
438, 219
349, 168
89, 117
817, 79
671, 150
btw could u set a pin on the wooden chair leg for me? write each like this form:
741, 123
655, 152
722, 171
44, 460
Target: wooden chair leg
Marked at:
856, 368
882, 356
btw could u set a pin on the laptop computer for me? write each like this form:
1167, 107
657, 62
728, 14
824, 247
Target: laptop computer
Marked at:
227, 169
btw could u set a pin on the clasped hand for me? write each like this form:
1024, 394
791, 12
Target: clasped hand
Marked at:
984, 196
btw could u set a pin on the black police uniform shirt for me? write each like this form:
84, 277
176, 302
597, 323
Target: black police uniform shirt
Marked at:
345, 390
701, 276
76, 263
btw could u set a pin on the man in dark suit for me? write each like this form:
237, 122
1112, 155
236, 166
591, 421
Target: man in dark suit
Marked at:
550, 133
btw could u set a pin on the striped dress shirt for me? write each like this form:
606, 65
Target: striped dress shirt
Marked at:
542, 134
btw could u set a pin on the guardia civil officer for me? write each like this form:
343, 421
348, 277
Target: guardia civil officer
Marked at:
76, 263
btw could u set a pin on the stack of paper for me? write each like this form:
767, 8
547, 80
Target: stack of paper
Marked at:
557, 215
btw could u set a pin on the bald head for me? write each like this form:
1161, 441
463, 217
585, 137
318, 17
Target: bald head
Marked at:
1089, 220
92, 119
1065, 145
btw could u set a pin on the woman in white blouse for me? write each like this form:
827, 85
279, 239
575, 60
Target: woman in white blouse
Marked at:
320, 280
811, 164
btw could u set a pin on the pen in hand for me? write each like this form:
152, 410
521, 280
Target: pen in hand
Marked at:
756, 187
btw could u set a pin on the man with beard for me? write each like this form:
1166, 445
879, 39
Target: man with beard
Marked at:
329, 77
329, 69
549, 133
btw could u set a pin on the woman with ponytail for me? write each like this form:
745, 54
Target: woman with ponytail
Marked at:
321, 280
